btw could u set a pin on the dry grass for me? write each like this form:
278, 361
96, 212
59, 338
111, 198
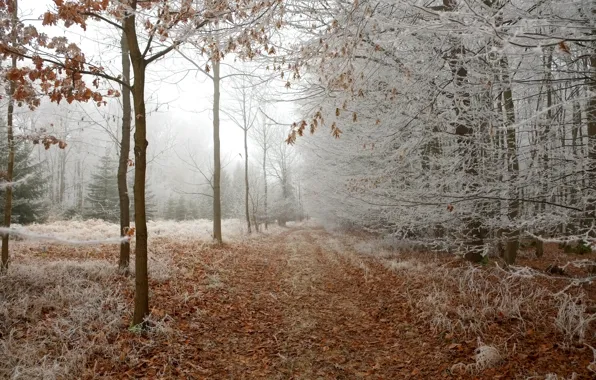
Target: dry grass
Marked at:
55, 315
572, 319
311, 302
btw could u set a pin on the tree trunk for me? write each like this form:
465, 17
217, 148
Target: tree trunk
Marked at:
10, 137
265, 181
216, 154
512, 245
123, 162
62, 177
246, 177
468, 151
591, 116
81, 188
140, 152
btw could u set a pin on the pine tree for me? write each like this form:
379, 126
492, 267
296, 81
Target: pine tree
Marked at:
150, 200
170, 209
28, 204
180, 209
102, 198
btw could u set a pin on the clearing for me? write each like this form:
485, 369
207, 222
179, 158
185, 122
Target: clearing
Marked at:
296, 303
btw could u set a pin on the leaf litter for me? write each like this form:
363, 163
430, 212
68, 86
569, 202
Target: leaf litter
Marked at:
300, 303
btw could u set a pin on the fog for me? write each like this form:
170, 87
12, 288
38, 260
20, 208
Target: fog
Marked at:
180, 122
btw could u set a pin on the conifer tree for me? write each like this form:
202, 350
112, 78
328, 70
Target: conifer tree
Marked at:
180, 209
28, 203
150, 200
102, 196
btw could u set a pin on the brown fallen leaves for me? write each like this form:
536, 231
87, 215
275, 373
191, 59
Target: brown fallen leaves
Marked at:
290, 307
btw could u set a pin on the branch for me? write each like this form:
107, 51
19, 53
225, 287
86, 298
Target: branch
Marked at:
173, 46
63, 66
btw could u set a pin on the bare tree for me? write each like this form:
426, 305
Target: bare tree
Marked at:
123, 162
244, 115
10, 136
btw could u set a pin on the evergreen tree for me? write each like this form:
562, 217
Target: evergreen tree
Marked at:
180, 210
150, 200
170, 210
192, 208
28, 204
102, 198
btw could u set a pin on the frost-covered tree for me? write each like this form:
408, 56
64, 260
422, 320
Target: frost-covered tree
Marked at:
102, 193
465, 124
28, 195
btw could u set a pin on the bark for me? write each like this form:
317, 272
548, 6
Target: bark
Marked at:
140, 151
62, 176
216, 155
123, 162
591, 117
512, 245
80, 187
464, 131
10, 137
265, 179
246, 187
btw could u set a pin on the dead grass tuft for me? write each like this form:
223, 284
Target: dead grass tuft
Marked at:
572, 319
54, 315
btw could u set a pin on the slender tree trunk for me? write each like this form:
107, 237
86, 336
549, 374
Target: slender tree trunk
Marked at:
216, 154
512, 244
246, 177
123, 162
62, 177
11, 148
591, 116
265, 182
140, 152
549, 115
81, 190
463, 129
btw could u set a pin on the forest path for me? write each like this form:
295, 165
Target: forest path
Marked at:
296, 305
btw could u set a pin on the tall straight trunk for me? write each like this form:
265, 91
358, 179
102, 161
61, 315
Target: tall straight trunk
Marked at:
140, 152
216, 154
246, 176
10, 137
283, 218
62, 177
474, 233
123, 162
81, 188
591, 116
265, 182
512, 244
549, 115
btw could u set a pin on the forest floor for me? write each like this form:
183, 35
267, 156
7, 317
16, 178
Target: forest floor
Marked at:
301, 303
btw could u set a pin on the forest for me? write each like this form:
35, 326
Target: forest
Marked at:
298, 189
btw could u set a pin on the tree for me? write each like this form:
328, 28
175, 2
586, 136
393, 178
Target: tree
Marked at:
102, 197
170, 210
262, 136
493, 145
28, 205
9, 176
166, 26
244, 116
217, 214
180, 209
150, 201
282, 159
124, 162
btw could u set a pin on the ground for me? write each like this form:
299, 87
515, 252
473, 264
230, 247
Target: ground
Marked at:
296, 303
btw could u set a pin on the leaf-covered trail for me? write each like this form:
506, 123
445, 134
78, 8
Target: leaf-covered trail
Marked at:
303, 305
290, 306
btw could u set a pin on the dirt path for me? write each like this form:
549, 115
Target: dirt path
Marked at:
298, 305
